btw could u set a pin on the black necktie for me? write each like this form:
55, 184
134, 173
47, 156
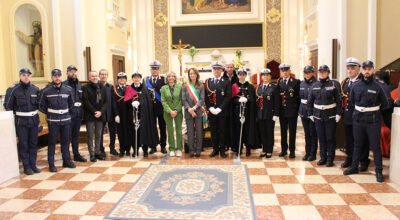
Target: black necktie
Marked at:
216, 81
284, 81
154, 81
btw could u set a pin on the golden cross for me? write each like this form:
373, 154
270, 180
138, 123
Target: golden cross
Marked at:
179, 47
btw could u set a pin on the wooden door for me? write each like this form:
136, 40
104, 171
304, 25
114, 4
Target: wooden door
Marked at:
118, 63
314, 61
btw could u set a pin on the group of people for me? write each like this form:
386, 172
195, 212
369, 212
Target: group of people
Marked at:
239, 114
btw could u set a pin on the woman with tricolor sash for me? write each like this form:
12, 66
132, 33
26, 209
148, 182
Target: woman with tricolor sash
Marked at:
195, 111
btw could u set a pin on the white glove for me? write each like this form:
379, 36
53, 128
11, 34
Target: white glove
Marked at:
117, 120
242, 99
337, 118
212, 110
312, 118
217, 111
275, 118
135, 104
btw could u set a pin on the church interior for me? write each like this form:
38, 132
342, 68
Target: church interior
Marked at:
125, 36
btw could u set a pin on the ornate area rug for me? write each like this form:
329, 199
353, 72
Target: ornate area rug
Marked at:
188, 192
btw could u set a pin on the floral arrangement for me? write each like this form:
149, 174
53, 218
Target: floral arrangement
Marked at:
237, 62
238, 53
192, 51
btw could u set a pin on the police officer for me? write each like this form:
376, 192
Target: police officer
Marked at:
22, 99
76, 111
289, 91
354, 75
56, 102
155, 82
268, 102
324, 108
369, 99
308, 125
218, 96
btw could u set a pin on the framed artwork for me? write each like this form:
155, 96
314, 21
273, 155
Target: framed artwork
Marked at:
214, 6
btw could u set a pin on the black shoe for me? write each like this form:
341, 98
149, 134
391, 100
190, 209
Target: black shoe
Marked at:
346, 163
152, 150
191, 155
329, 164
282, 154
263, 155
222, 154
350, 170
268, 155
305, 157
248, 152
68, 163
379, 177
52, 168
36, 170
163, 150
145, 153
103, 154
134, 154
292, 155
128, 153
79, 158
311, 158
121, 154
99, 157
93, 159
321, 162
197, 155
28, 171
114, 152
364, 166
214, 153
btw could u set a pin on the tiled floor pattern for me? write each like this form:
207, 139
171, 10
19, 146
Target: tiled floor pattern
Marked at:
282, 188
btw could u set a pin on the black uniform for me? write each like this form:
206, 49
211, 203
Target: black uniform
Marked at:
22, 99
230, 140
289, 91
76, 113
56, 103
368, 98
156, 84
248, 134
219, 92
147, 133
120, 108
268, 105
324, 103
310, 132
347, 120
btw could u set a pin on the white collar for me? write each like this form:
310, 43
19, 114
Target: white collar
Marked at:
355, 79
265, 84
153, 78
218, 78
121, 85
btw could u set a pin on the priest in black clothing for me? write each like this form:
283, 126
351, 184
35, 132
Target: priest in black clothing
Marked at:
230, 74
243, 94
140, 98
218, 91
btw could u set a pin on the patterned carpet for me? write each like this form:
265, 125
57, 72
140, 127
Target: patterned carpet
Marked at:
188, 192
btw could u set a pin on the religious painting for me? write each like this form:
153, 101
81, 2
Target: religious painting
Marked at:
215, 6
29, 42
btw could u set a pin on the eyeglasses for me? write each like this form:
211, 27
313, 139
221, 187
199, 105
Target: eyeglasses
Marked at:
155, 68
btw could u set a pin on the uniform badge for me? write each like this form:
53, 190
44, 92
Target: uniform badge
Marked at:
222, 93
268, 97
291, 92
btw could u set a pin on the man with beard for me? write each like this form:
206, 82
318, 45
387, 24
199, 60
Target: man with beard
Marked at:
140, 102
76, 111
120, 109
244, 95
369, 99
231, 75
56, 102
218, 96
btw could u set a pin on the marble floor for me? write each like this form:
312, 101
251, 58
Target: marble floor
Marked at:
282, 188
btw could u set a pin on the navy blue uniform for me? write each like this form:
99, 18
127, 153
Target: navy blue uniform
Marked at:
347, 120
120, 108
324, 103
57, 103
289, 92
368, 99
76, 113
308, 125
22, 99
268, 104
109, 118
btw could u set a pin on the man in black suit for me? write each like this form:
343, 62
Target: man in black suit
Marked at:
289, 91
154, 83
231, 76
219, 92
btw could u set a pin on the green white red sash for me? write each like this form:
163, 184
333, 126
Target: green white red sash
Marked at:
196, 98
